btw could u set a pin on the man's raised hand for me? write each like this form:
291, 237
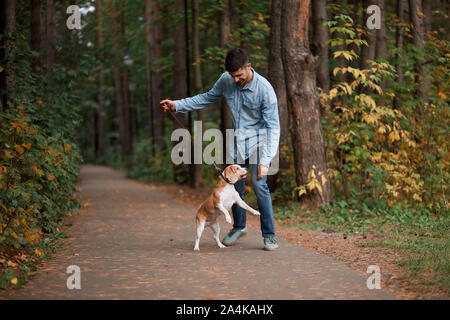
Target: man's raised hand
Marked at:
167, 104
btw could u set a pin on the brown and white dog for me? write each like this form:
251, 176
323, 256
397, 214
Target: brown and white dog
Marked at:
220, 202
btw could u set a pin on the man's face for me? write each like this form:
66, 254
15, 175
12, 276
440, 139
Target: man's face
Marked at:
243, 75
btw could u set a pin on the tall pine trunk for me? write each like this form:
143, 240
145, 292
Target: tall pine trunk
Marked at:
100, 114
380, 50
320, 45
8, 76
399, 35
50, 37
118, 85
418, 32
224, 31
302, 100
35, 36
181, 172
198, 86
154, 84
276, 78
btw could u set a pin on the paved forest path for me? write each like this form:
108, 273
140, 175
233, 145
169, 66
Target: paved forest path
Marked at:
132, 241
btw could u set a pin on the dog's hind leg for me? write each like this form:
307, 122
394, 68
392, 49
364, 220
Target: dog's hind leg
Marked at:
216, 229
200, 228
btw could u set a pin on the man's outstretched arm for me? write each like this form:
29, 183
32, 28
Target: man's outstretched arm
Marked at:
197, 102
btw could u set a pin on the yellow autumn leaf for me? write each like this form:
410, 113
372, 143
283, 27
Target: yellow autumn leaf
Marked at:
260, 17
370, 118
394, 136
301, 191
314, 184
19, 149
255, 23
323, 179
14, 280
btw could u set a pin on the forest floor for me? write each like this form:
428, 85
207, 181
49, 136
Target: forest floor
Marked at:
134, 240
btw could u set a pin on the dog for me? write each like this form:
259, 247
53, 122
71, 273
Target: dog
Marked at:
220, 202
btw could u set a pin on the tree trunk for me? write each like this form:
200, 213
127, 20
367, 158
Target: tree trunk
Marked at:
154, 84
399, 34
224, 31
181, 172
50, 37
320, 47
276, 78
118, 86
367, 52
302, 100
380, 51
8, 77
100, 114
126, 105
418, 33
35, 36
198, 86
354, 7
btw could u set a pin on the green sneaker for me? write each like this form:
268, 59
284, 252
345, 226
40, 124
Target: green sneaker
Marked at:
270, 244
233, 236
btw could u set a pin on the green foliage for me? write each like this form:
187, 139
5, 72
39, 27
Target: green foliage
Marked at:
39, 165
148, 165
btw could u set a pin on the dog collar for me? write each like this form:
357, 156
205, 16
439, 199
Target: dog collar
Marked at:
223, 177
221, 174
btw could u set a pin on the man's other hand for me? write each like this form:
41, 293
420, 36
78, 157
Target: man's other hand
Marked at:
167, 104
262, 171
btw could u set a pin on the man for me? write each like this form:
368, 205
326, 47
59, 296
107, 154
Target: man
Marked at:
254, 108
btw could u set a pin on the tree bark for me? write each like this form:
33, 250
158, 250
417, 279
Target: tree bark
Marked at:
100, 114
320, 47
154, 84
118, 85
35, 36
367, 52
181, 172
50, 37
380, 51
302, 100
399, 35
198, 85
224, 31
418, 33
276, 78
8, 76
126, 106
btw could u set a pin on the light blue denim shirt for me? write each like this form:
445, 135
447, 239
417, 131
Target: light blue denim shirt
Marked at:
254, 111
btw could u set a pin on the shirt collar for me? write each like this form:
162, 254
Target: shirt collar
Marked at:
252, 85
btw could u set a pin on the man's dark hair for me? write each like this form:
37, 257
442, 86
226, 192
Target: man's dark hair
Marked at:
237, 58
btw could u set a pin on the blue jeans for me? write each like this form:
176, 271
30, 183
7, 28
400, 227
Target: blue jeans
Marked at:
264, 203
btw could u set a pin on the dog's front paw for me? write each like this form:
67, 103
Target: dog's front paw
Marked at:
228, 219
196, 249
256, 213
